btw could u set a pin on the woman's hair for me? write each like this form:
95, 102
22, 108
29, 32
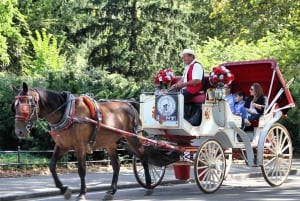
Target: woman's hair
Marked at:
258, 90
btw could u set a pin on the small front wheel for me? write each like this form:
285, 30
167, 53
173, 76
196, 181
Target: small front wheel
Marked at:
157, 173
210, 166
277, 155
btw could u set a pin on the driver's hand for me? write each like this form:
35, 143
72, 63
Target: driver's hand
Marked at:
173, 87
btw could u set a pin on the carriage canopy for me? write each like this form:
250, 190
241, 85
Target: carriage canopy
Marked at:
266, 73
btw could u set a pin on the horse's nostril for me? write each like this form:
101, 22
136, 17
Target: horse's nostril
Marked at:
21, 133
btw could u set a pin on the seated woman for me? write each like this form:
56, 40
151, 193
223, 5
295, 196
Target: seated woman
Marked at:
255, 103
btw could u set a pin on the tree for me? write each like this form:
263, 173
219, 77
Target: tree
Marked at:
46, 54
245, 20
13, 27
133, 38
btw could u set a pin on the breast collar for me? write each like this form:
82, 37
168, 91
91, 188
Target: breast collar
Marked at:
67, 118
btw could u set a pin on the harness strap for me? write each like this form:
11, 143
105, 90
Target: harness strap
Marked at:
67, 118
95, 114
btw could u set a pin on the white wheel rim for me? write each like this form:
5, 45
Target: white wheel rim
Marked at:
210, 166
155, 172
277, 155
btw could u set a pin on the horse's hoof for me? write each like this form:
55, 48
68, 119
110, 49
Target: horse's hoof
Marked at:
68, 194
108, 196
80, 198
148, 192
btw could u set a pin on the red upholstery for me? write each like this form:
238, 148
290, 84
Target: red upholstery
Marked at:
254, 123
199, 98
261, 71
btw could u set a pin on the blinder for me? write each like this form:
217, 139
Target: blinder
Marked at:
27, 109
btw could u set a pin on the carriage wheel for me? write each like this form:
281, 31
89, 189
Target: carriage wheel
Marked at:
277, 155
157, 173
210, 166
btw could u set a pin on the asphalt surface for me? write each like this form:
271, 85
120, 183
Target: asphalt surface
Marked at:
39, 186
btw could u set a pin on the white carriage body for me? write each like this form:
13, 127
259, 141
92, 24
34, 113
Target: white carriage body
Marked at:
219, 135
218, 122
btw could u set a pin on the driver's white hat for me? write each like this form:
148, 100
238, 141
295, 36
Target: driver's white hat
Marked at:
187, 51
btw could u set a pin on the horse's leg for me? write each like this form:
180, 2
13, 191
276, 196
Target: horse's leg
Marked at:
136, 148
115, 163
147, 173
81, 159
58, 153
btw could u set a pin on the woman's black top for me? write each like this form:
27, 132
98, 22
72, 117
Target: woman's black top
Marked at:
261, 101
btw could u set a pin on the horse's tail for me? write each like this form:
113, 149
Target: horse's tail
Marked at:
134, 144
134, 103
137, 128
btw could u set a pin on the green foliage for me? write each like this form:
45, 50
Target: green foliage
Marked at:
244, 20
7, 137
25, 158
112, 49
47, 54
293, 116
272, 46
12, 40
104, 85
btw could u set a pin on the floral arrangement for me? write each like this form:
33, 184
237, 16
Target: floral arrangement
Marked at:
163, 78
220, 76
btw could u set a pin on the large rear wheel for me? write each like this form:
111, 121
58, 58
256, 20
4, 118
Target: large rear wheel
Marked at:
210, 166
157, 173
277, 155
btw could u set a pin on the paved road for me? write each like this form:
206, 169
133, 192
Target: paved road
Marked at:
251, 189
39, 186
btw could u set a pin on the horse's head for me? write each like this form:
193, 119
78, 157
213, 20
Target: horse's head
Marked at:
25, 107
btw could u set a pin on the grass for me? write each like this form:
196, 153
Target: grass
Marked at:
21, 158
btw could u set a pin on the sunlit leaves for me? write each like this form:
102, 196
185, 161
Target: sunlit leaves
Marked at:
47, 54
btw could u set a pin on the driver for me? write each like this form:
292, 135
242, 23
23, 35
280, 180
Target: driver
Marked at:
191, 82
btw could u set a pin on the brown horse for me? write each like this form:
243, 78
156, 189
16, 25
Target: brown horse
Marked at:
72, 122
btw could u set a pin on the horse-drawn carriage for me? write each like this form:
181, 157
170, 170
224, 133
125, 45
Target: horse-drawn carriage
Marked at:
212, 145
80, 123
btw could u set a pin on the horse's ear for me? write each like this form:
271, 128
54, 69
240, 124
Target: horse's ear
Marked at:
15, 89
25, 87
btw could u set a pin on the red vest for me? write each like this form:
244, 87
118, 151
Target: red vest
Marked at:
192, 89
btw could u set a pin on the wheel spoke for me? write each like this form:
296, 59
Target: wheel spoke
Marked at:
210, 166
156, 174
277, 155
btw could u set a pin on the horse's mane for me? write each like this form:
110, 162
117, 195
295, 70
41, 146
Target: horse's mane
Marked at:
52, 98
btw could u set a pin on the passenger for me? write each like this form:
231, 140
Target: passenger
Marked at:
191, 82
229, 97
239, 106
255, 104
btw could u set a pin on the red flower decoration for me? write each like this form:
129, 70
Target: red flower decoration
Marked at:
164, 77
220, 76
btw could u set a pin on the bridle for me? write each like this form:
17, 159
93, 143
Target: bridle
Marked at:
28, 109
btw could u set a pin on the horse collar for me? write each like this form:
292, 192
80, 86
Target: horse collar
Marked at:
67, 118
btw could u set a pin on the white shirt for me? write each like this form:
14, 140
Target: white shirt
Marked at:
252, 109
197, 71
